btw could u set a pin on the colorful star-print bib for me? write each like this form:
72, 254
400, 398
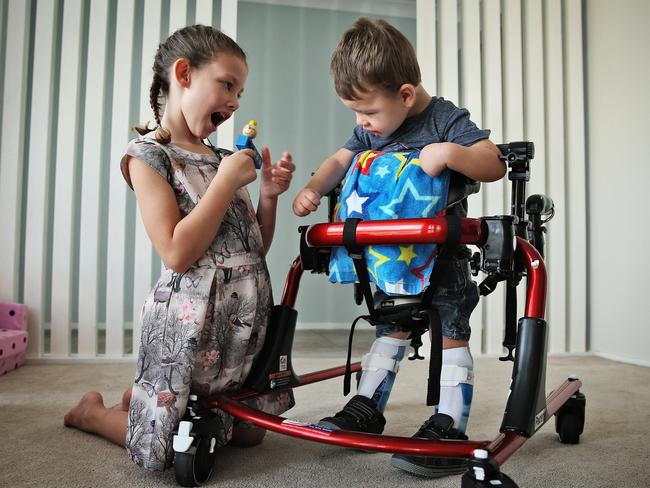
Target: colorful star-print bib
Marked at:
384, 186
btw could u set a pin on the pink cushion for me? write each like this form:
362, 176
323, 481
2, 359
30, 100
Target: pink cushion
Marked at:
13, 346
13, 316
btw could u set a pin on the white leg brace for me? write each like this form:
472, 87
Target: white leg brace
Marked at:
379, 367
456, 385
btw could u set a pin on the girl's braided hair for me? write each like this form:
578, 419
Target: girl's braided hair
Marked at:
196, 43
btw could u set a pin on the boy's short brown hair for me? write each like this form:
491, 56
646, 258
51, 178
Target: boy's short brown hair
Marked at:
373, 54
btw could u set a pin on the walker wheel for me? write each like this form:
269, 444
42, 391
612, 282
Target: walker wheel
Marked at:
570, 419
195, 468
499, 481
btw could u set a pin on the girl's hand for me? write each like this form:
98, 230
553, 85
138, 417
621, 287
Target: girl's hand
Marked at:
433, 158
306, 202
238, 168
276, 178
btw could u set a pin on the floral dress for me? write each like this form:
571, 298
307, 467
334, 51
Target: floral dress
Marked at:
201, 329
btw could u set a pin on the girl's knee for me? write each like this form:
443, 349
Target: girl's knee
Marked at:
245, 434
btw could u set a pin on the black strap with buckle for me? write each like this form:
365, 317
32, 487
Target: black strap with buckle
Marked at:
447, 252
358, 259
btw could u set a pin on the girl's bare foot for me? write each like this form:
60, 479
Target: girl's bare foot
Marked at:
124, 404
82, 414
90, 415
126, 399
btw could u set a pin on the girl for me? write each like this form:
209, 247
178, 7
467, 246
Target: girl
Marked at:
205, 319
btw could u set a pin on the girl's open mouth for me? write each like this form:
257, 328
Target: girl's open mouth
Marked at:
219, 117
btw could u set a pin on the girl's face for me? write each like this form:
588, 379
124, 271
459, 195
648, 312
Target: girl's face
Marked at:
378, 112
212, 93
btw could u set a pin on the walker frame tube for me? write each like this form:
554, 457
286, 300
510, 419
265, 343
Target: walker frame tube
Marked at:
431, 230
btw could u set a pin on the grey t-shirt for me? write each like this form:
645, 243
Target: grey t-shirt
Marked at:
441, 121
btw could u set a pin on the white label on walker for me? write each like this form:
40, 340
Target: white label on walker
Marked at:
283, 363
296, 422
539, 419
299, 423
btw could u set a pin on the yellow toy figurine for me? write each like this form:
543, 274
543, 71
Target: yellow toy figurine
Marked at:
245, 141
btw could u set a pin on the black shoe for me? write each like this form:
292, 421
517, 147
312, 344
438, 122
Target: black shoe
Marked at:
360, 414
439, 426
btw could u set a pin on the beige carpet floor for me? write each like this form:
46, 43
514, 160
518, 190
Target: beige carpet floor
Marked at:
37, 450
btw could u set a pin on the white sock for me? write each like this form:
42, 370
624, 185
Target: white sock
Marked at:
455, 401
376, 383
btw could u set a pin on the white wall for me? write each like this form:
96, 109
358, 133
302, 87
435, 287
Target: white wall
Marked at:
517, 65
74, 76
618, 79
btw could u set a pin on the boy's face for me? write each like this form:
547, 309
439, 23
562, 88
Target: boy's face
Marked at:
378, 112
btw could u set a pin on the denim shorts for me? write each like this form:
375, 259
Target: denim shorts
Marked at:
455, 298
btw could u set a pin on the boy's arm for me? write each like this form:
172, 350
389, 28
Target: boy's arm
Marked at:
479, 161
331, 172
328, 175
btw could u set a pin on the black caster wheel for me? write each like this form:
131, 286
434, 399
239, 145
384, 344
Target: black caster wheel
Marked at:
194, 467
484, 472
499, 481
570, 419
195, 444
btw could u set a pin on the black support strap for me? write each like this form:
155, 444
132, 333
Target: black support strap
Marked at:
348, 368
435, 360
358, 259
447, 251
510, 338
452, 240
356, 253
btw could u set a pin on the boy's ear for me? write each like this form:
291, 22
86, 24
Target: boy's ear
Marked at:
407, 94
181, 71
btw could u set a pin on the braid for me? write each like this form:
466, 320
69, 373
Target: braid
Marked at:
154, 91
162, 135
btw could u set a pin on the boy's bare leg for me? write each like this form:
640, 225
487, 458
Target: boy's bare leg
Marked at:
90, 415
452, 343
446, 342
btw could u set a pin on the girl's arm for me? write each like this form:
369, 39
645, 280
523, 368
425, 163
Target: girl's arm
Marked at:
181, 241
275, 180
266, 213
480, 161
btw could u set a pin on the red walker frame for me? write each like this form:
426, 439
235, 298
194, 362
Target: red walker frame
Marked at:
406, 231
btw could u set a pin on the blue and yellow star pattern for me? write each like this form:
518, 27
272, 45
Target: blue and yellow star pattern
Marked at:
385, 186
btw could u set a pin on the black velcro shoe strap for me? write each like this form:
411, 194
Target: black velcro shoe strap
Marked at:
439, 426
360, 408
359, 414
